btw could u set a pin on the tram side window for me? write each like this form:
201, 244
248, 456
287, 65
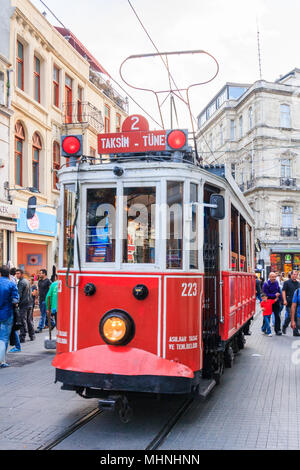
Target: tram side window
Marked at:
139, 228
69, 216
243, 258
194, 233
174, 224
100, 225
234, 239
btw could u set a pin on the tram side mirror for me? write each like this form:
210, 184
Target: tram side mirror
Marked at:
217, 212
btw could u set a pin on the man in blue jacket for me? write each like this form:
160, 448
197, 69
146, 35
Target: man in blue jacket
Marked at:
271, 288
8, 296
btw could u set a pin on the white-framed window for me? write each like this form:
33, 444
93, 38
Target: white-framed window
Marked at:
285, 116
286, 170
287, 216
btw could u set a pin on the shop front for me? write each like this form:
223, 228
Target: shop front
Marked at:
35, 239
285, 262
8, 216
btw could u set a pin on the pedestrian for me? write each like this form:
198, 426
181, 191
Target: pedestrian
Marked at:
51, 300
271, 288
34, 293
12, 275
8, 296
258, 289
25, 306
43, 287
288, 291
295, 310
266, 306
14, 339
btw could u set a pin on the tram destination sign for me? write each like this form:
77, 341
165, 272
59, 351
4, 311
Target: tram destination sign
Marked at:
132, 142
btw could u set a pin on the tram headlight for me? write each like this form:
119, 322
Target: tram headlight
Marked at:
117, 327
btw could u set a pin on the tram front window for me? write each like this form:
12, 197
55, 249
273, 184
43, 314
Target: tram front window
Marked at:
174, 224
100, 225
139, 225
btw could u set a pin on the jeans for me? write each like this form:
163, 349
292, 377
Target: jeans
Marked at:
16, 341
5, 330
44, 317
288, 319
266, 327
276, 307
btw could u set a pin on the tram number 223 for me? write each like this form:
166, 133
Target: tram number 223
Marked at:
189, 289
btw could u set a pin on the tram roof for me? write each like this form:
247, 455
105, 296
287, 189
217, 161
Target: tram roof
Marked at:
219, 175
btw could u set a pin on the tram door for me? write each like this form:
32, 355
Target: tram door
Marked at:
211, 283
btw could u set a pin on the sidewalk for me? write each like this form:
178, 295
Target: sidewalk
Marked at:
33, 409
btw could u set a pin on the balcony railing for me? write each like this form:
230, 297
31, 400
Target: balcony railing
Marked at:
83, 113
288, 182
108, 90
289, 232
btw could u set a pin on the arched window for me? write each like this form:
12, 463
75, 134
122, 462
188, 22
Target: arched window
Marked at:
36, 149
19, 143
56, 163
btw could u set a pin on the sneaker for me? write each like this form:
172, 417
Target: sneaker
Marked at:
4, 365
263, 332
32, 338
296, 334
270, 334
38, 331
278, 333
284, 330
14, 350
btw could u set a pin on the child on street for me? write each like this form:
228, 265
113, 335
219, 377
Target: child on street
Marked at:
266, 306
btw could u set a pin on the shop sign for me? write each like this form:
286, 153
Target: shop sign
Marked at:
34, 223
40, 224
8, 211
288, 259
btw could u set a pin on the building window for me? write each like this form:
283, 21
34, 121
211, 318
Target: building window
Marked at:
19, 143
68, 100
233, 170
250, 118
118, 122
285, 116
287, 216
20, 65
56, 163
232, 129
106, 118
241, 126
36, 149
286, 168
37, 79
79, 103
56, 86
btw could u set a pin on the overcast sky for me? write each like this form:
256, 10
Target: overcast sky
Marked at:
227, 29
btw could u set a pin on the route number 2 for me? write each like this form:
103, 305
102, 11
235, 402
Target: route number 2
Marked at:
189, 290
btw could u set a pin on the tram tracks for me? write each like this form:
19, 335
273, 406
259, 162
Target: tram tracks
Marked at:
154, 444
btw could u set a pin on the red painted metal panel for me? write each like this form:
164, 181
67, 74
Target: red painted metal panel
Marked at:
238, 302
122, 360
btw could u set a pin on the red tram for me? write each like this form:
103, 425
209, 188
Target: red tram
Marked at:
156, 276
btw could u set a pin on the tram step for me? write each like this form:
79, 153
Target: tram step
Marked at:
205, 387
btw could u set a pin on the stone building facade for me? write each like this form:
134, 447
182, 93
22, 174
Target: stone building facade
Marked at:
255, 129
57, 88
